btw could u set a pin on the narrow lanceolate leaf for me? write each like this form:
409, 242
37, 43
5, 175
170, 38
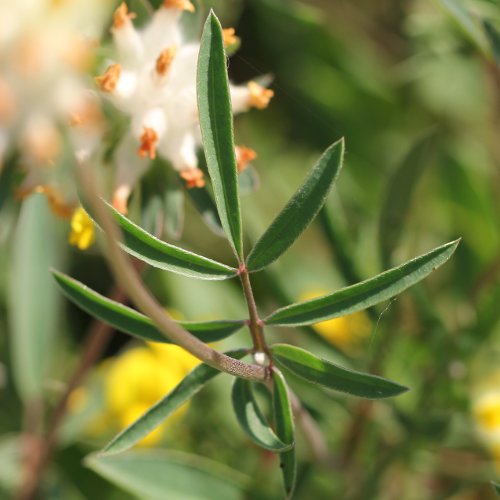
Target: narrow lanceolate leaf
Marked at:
300, 210
153, 417
157, 253
285, 430
251, 418
128, 320
33, 298
216, 122
160, 475
365, 294
319, 371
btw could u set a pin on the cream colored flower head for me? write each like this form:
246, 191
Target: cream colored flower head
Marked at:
153, 81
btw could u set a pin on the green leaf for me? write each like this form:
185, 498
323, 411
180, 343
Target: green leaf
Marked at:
299, 211
161, 255
216, 122
153, 417
157, 475
319, 371
128, 320
493, 38
7, 177
496, 486
251, 418
399, 193
465, 22
365, 294
285, 430
34, 299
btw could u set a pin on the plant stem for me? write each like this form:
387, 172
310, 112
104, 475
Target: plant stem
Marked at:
130, 281
255, 323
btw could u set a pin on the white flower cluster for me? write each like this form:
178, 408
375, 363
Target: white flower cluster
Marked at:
154, 83
46, 49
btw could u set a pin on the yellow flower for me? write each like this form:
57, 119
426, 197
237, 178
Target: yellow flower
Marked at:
486, 413
345, 332
141, 376
82, 229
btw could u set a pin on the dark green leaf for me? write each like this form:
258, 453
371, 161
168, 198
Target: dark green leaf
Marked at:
365, 294
160, 475
216, 122
285, 430
496, 486
251, 419
319, 371
128, 320
494, 39
299, 211
399, 193
157, 253
7, 177
153, 417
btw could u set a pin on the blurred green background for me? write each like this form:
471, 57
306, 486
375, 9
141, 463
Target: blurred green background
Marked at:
414, 87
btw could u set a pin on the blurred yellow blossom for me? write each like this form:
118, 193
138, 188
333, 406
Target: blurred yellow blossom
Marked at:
136, 380
345, 332
82, 229
486, 412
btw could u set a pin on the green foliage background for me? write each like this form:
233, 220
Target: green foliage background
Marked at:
416, 93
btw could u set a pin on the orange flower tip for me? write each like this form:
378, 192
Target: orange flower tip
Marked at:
244, 156
56, 202
193, 177
122, 16
165, 60
107, 82
229, 36
259, 96
120, 203
149, 139
179, 4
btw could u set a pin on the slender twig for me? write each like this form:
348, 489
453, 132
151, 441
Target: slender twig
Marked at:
129, 280
255, 324
314, 437
41, 448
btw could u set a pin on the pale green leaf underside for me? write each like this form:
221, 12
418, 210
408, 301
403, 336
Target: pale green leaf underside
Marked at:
320, 371
299, 211
161, 255
365, 294
156, 415
216, 122
285, 430
251, 418
157, 475
128, 320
